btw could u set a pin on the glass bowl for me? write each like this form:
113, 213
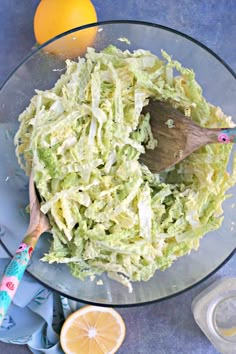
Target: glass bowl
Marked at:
40, 70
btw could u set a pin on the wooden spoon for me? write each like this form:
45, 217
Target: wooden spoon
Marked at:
13, 273
177, 142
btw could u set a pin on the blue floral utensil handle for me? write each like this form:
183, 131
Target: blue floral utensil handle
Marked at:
13, 274
227, 135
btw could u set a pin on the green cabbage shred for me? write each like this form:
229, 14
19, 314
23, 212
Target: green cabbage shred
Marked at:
83, 139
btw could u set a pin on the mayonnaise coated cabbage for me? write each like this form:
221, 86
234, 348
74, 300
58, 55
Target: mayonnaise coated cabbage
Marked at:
83, 139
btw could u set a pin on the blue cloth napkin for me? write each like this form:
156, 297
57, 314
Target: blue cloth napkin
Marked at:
36, 315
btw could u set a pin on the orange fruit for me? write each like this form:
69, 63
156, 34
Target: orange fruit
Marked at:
54, 17
92, 330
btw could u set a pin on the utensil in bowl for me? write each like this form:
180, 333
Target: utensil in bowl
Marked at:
177, 136
15, 270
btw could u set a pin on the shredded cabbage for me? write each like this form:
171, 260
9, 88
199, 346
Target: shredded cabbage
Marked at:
83, 139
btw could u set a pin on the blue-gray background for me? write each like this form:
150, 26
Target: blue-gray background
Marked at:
167, 327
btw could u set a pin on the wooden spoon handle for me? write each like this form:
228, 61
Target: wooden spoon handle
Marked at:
15, 270
224, 135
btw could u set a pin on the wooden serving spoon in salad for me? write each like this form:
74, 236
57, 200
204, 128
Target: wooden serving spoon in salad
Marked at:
177, 136
14, 271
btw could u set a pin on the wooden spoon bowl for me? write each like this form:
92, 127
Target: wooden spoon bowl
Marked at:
177, 136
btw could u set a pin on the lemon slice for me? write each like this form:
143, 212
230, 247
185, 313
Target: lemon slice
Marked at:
93, 330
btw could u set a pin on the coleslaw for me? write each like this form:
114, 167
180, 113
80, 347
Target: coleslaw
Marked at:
83, 139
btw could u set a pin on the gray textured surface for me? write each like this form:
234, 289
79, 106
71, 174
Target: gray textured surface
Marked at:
167, 327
